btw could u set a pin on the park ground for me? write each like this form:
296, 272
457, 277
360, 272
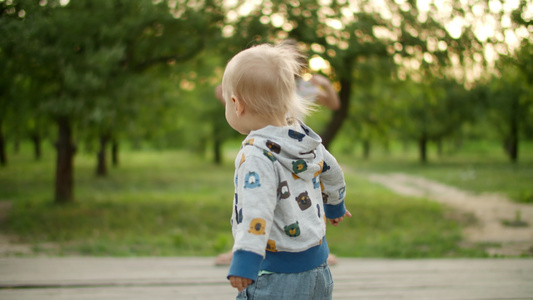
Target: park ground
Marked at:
498, 220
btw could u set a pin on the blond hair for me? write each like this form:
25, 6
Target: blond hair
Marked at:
263, 77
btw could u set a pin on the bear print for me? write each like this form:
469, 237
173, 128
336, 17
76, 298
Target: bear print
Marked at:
316, 183
283, 190
251, 181
243, 159
273, 147
342, 191
325, 197
271, 246
292, 230
249, 142
238, 213
296, 135
321, 166
257, 226
269, 155
299, 166
325, 168
304, 202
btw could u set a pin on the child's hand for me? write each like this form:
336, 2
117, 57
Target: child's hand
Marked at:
239, 283
336, 221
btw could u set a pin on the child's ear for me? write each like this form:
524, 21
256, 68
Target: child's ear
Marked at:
239, 106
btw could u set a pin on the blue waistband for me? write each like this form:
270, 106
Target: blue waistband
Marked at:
247, 264
294, 262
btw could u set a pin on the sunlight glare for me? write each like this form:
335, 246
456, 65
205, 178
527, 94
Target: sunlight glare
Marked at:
334, 23
455, 27
245, 9
477, 9
510, 37
510, 5
428, 57
489, 52
317, 63
277, 20
232, 16
443, 46
230, 3
506, 22
423, 5
264, 20
227, 31
495, 6
318, 48
381, 32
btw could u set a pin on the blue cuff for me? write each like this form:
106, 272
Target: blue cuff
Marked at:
245, 264
334, 211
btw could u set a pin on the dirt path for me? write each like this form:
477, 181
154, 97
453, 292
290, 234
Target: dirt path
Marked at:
499, 221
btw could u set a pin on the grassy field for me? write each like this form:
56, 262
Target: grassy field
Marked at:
480, 167
170, 203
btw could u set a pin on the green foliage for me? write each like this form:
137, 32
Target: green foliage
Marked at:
508, 102
87, 60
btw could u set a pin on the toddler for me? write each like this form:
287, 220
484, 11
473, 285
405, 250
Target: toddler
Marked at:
286, 183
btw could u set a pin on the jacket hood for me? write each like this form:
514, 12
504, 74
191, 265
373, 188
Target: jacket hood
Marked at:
295, 147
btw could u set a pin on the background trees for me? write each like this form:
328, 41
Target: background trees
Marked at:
84, 55
106, 72
509, 100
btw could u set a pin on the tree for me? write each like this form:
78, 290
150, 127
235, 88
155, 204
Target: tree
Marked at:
510, 101
86, 50
9, 73
412, 39
509, 98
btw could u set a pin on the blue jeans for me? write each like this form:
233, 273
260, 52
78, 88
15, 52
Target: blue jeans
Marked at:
315, 284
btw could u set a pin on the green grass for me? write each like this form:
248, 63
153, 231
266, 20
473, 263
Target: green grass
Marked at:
479, 167
169, 203
387, 225
155, 203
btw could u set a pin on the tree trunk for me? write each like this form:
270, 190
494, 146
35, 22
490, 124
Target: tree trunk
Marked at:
422, 148
114, 153
217, 144
366, 149
339, 115
36, 139
65, 162
217, 151
101, 168
3, 157
512, 142
16, 145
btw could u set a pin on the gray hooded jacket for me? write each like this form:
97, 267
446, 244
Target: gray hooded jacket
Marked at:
286, 185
